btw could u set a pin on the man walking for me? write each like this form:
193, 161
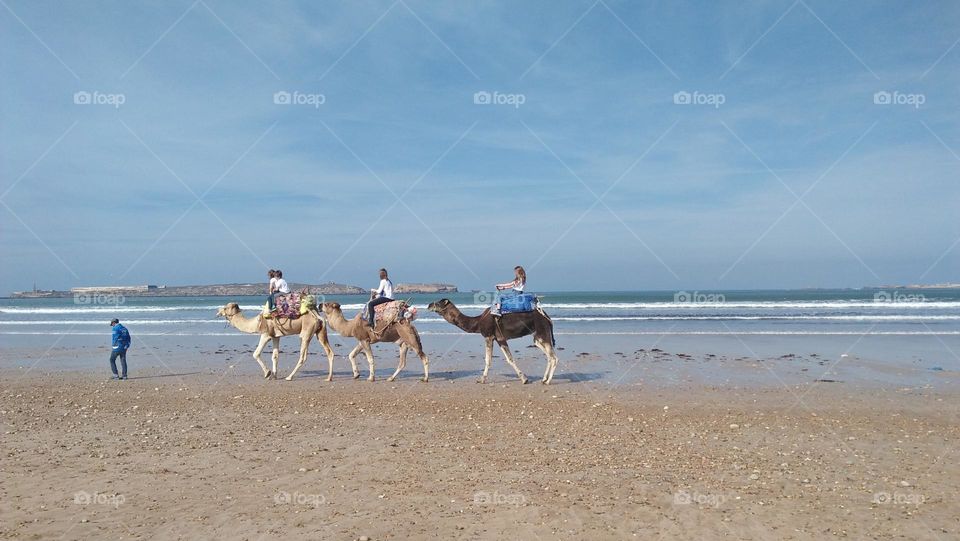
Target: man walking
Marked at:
121, 343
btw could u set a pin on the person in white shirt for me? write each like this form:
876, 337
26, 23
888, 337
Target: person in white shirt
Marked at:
278, 286
381, 295
282, 286
273, 281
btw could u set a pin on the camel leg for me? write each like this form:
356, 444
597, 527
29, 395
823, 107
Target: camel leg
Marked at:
487, 357
402, 363
275, 356
304, 349
417, 347
551, 355
426, 365
506, 355
264, 338
353, 359
322, 337
368, 351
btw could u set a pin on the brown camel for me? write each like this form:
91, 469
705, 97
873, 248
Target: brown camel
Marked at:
402, 332
509, 326
306, 326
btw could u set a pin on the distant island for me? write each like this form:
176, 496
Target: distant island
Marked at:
220, 290
948, 285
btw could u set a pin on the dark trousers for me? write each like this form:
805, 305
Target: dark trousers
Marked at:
371, 313
122, 353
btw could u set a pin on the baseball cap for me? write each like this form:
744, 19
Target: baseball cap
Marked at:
114, 321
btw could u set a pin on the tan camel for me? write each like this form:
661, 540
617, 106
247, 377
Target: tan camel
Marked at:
306, 326
402, 332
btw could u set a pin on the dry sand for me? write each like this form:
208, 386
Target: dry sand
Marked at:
237, 457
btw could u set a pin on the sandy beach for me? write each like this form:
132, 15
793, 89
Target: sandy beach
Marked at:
176, 455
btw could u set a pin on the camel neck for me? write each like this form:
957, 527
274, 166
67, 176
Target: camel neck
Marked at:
242, 324
336, 320
467, 323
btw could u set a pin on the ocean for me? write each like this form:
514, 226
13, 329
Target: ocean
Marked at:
934, 312
900, 335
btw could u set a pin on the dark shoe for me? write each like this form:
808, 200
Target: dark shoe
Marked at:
123, 377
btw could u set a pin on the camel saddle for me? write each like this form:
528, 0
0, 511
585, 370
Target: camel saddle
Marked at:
288, 305
389, 312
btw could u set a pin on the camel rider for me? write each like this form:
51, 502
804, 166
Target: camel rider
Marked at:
272, 274
381, 295
517, 285
278, 286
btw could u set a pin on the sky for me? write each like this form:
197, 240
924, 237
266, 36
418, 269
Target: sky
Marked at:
603, 145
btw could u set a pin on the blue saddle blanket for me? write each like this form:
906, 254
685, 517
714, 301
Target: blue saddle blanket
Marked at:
521, 302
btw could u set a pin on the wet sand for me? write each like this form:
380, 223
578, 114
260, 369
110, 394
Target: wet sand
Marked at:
211, 453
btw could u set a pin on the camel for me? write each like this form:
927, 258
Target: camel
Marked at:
306, 326
509, 326
402, 332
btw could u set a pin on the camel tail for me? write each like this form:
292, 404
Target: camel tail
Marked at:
553, 338
416, 336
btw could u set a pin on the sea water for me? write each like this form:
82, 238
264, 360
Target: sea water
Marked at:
907, 324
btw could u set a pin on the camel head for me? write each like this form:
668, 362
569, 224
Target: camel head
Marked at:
330, 307
229, 310
439, 306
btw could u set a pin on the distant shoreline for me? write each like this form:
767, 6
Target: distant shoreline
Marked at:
220, 290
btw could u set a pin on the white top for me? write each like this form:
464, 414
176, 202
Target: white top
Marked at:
282, 286
385, 289
273, 285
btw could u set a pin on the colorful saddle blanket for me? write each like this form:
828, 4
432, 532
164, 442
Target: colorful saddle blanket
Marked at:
390, 311
288, 305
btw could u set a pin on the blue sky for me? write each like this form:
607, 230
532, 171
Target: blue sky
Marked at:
592, 171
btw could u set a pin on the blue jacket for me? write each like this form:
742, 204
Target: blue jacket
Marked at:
121, 337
